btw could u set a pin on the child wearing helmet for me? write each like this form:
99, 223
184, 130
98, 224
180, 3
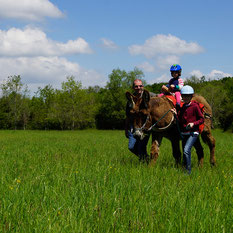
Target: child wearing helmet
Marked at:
175, 83
190, 117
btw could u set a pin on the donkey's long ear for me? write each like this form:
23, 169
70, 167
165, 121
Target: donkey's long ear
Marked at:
145, 99
130, 103
128, 95
146, 96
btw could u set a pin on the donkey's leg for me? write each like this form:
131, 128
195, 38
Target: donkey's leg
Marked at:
208, 138
142, 149
174, 138
154, 153
199, 150
176, 150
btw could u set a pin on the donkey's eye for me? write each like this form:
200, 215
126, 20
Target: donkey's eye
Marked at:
130, 105
143, 105
143, 115
132, 111
143, 112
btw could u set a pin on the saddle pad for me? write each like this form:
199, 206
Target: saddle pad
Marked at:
172, 99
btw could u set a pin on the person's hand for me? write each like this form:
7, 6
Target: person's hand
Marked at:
189, 125
171, 88
173, 110
165, 89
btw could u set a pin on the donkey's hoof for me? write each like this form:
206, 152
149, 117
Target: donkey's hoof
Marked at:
213, 164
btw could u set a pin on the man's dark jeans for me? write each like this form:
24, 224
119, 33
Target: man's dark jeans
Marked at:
137, 146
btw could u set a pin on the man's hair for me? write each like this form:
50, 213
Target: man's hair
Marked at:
137, 80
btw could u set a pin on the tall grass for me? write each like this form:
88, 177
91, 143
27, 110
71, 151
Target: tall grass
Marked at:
87, 181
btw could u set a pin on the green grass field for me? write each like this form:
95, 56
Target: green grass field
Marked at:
88, 181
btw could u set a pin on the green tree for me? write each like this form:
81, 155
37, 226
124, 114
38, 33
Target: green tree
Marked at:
226, 118
74, 107
25, 108
42, 108
5, 122
112, 99
38, 113
215, 95
13, 91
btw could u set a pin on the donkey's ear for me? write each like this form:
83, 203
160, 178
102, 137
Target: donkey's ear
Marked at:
146, 96
128, 95
130, 102
145, 99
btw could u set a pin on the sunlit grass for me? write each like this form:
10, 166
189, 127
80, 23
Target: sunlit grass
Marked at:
87, 181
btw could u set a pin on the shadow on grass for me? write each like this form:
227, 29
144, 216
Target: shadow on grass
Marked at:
132, 161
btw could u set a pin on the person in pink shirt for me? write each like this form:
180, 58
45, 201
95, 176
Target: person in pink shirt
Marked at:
175, 83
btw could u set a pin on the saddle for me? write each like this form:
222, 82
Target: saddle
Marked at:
171, 98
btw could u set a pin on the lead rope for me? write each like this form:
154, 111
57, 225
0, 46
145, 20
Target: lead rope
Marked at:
178, 126
159, 120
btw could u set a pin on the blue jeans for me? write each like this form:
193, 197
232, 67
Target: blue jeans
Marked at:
137, 146
187, 144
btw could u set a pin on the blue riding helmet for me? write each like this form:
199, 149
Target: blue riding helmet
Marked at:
186, 90
175, 67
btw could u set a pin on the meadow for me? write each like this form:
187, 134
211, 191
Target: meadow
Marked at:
88, 181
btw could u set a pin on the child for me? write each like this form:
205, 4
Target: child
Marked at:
190, 117
175, 84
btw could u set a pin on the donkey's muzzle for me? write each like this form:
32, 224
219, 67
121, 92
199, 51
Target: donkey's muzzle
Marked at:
139, 133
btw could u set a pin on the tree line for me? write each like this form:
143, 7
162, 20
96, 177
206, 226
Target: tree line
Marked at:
74, 107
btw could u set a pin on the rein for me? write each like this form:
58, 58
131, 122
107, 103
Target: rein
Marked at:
143, 127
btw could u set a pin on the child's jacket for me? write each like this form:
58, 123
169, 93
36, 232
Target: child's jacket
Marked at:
190, 113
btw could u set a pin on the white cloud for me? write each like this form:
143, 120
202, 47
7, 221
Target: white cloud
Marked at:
196, 73
108, 44
34, 42
33, 10
214, 74
165, 44
165, 63
147, 67
38, 71
217, 74
163, 78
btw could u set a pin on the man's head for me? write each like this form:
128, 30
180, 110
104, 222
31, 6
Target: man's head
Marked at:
138, 86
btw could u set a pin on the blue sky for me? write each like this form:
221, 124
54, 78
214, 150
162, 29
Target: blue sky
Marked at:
45, 41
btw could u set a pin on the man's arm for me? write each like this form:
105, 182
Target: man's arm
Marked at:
152, 94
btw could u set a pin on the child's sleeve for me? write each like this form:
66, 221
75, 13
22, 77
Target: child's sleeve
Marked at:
199, 115
180, 84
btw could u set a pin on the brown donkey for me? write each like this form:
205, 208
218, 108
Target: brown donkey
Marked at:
153, 115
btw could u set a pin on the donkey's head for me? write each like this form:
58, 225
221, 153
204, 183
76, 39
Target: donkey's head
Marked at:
139, 109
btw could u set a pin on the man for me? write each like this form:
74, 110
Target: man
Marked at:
136, 146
